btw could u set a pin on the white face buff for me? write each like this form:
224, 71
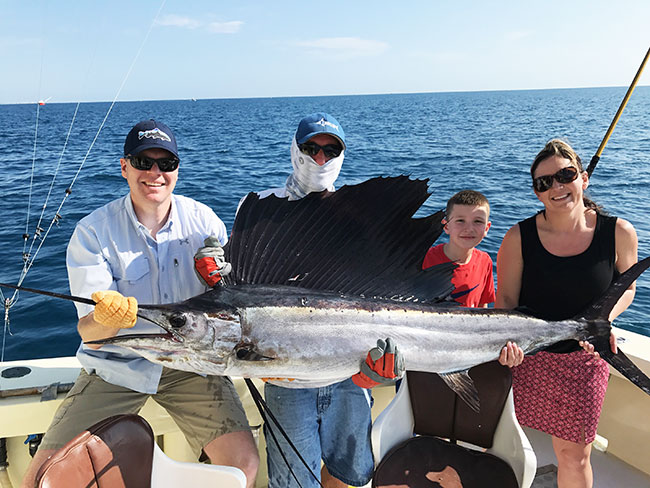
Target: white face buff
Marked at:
308, 176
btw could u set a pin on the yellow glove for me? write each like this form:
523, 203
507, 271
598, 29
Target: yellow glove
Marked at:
114, 309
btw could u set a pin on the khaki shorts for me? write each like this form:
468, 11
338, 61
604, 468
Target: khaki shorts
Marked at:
204, 408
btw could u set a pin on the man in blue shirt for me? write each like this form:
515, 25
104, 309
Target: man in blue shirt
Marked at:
139, 248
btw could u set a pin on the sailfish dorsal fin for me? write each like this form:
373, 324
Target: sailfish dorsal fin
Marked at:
360, 240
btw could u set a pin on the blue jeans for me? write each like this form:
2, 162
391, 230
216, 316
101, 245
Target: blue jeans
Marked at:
331, 423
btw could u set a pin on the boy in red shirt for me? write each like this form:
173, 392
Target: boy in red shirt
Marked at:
467, 223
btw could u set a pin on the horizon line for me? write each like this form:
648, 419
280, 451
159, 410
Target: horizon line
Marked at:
323, 96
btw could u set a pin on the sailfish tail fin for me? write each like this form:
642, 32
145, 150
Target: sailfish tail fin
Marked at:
597, 327
624, 365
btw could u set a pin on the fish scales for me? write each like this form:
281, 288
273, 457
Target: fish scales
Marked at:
316, 341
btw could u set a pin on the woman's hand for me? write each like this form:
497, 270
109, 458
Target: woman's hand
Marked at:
511, 355
587, 346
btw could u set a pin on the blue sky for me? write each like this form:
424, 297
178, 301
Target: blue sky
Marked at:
82, 50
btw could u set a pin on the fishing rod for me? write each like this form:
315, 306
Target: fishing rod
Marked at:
596, 158
87, 301
73, 298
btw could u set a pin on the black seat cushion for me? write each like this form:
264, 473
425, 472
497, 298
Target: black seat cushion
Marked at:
438, 411
427, 462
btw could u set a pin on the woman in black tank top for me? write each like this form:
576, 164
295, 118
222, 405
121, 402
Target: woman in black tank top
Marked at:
553, 265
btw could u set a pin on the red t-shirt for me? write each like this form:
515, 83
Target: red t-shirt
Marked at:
474, 282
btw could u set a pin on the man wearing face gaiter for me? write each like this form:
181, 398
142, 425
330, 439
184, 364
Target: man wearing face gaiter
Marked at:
326, 421
318, 417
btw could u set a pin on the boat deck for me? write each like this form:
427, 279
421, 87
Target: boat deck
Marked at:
609, 471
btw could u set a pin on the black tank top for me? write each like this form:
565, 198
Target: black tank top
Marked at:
557, 288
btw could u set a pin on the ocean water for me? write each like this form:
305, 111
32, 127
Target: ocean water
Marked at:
480, 140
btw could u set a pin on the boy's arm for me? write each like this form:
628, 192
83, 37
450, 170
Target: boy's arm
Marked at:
488, 296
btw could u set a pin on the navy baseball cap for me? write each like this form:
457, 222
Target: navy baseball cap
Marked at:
148, 134
319, 123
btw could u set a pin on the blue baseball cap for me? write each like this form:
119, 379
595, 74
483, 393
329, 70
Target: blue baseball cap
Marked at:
319, 123
149, 134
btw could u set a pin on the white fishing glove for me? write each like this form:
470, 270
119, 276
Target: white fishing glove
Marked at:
209, 262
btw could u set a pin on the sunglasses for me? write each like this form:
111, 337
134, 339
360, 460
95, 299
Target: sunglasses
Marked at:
329, 150
565, 175
143, 163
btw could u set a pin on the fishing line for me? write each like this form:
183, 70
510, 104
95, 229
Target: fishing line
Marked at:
31, 176
29, 258
27, 262
57, 215
153, 22
264, 409
9, 302
31, 185
38, 111
68, 190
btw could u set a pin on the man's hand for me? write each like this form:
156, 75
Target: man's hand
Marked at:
384, 364
114, 309
511, 355
209, 262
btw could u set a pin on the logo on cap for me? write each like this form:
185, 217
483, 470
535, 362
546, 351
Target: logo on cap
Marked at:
324, 122
154, 134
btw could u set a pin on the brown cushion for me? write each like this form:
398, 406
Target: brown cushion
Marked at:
427, 462
114, 453
438, 411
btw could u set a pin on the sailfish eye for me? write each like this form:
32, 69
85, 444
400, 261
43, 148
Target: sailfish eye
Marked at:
177, 320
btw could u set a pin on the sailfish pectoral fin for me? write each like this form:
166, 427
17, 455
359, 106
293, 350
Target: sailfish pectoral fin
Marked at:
248, 352
463, 385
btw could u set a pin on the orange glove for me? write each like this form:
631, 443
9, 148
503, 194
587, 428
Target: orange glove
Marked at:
384, 364
209, 262
114, 309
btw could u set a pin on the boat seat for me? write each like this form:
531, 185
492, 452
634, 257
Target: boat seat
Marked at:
121, 452
415, 439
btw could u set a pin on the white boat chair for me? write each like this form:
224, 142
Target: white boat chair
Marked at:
121, 452
494, 450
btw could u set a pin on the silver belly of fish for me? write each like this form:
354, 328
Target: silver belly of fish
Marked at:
330, 343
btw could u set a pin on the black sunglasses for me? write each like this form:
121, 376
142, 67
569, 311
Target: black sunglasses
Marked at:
143, 163
565, 175
329, 150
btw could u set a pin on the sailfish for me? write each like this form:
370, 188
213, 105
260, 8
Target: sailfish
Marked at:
317, 281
